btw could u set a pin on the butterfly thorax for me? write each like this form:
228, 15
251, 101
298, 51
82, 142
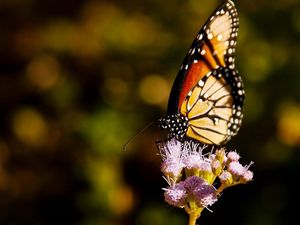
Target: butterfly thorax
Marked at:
176, 124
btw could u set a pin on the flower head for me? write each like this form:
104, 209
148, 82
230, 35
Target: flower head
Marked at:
216, 167
192, 161
176, 195
247, 176
191, 173
172, 168
205, 195
233, 156
236, 169
240, 174
170, 149
192, 183
197, 163
171, 152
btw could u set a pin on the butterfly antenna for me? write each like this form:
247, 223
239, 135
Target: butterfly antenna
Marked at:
137, 134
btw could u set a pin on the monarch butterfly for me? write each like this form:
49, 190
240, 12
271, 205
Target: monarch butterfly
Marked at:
206, 99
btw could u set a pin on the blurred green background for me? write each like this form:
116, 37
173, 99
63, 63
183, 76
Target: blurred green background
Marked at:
79, 78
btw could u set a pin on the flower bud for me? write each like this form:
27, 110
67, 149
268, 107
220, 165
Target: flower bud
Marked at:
205, 171
221, 156
246, 177
236, 169
216, 167
226, 178
233, 156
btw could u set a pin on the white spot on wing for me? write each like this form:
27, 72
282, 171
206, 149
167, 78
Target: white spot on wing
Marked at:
193, 51
201, 83
220, 36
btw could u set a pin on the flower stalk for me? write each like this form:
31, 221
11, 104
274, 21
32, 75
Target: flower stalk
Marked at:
193, 216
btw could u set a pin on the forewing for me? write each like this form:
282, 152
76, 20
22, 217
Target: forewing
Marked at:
213, 47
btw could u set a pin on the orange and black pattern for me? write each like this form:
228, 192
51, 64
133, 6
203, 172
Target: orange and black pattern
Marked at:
207, 97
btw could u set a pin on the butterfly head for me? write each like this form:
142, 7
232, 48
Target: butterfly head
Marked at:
176, 124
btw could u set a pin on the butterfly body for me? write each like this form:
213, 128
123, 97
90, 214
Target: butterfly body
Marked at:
207, 96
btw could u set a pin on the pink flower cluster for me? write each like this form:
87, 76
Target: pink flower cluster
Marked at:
192, 175
191, 189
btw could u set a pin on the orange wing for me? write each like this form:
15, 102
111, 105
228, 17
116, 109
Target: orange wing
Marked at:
214, 113
213, 47
208, 92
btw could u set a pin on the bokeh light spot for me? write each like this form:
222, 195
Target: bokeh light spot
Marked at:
154, 90
288, 127
43, 71
121, 200
30, 127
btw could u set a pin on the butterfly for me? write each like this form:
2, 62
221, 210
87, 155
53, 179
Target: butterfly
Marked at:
207, 97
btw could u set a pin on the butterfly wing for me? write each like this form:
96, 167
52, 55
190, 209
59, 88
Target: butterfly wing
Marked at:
214, 107
208, 90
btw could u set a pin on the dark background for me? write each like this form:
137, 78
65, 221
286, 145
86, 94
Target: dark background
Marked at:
79, 78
